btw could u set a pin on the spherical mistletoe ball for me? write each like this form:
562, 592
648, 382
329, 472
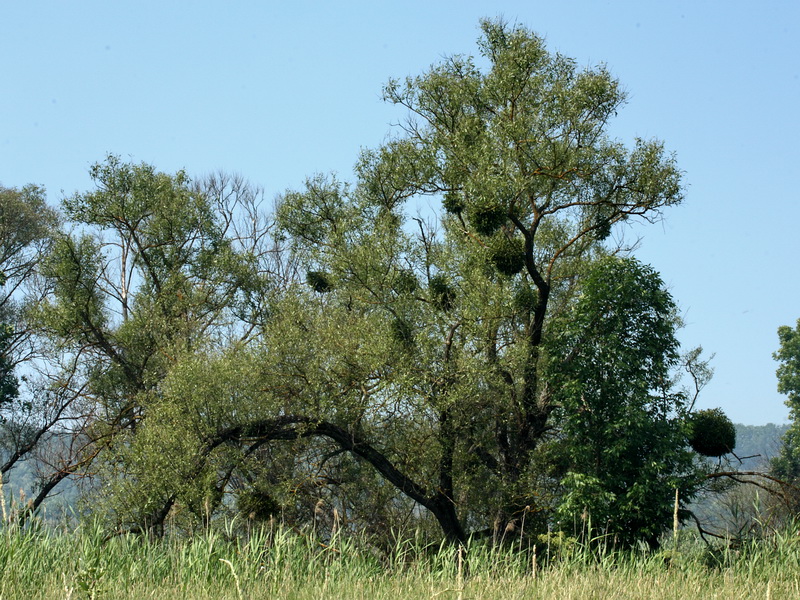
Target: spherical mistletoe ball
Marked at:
453, 203
508, 254
405, 282
442, 295
257, 504
486, 217
403, 333
711, 433
319, 281
389, 219
525, 297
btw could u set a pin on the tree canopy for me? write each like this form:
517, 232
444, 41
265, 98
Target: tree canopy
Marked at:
498, 360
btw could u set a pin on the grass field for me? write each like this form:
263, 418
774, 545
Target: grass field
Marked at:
281, 563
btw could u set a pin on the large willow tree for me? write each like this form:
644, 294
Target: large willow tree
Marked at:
429, 347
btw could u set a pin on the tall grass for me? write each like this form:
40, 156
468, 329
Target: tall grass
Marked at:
274, 562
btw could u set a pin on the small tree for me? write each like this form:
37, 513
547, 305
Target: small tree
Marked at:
787, 464
621, 426
9, 384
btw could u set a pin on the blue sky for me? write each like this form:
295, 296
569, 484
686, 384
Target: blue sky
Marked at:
278, 92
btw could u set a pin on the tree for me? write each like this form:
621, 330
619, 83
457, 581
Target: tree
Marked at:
27, 412
9, 384
531, 183
157, 269
26, 228
622, 444
787, 464
520, 152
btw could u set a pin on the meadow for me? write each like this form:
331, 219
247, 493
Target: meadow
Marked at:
276, 562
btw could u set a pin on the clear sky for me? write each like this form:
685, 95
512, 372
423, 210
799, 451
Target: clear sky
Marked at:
278, 91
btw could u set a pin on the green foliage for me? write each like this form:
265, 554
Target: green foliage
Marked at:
26, 228
711, 433
9, 384
314, 216
525, 139
27, 224
621, 424
492, 368
158, 273
787, 464
519, 151
74, 267
379, 397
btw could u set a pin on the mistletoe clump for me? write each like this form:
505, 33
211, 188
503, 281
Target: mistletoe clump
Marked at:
442, 295
405, 282
453, 203
403, 333
486, 217
712, 433
508, 254
319, 282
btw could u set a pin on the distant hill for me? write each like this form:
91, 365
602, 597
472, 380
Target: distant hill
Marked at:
21, 483
734, 510
763, 440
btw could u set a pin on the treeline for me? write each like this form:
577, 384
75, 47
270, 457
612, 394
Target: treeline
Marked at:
761, 442
345, 360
